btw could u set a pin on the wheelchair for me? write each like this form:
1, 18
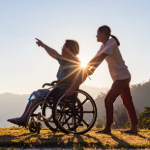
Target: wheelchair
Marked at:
74, 114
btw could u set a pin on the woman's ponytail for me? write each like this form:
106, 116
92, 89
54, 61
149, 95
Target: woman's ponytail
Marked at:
106, 29
117, 41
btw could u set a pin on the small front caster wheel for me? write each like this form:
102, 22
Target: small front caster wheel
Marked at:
33, 127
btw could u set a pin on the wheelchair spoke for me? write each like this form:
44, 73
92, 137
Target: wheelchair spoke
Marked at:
84, 121
68, 114
58, 114
66, 111
64, 117
66, 120
84, 101
50, 119
68, 126
60, 117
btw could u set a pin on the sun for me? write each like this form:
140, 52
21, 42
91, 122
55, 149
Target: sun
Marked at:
84, 61
83, 64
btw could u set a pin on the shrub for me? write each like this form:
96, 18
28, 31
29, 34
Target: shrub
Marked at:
99, 123
144, 119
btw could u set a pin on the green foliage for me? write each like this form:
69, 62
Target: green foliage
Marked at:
127, 125
99, 123
144, 118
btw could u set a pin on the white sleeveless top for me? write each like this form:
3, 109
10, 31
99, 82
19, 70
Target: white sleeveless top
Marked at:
117, 68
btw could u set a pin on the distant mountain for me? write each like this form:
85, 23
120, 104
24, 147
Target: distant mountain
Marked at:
11, 105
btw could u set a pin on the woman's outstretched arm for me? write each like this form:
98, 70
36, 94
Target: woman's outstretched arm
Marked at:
92, 62
82, 78
98, 62
53, 53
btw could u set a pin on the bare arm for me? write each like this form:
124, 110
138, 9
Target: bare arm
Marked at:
98, 62
80, 79
53, 53
92, 62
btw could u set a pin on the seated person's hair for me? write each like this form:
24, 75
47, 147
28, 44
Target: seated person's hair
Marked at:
73, 46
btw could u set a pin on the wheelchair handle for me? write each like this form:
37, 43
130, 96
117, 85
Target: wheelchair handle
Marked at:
49, 84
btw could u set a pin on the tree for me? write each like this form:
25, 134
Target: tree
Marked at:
144, 118
99, 123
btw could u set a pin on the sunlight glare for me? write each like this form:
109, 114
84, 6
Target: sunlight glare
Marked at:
84, 62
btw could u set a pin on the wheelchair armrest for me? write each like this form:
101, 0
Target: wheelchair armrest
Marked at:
49, 84
53, 83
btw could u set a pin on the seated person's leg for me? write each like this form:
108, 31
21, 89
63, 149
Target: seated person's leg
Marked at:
56, 94
28, 104
22, 120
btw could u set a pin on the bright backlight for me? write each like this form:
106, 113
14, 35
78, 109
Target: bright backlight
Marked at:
83, 64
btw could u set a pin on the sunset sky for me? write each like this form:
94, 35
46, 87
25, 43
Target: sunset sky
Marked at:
24, 66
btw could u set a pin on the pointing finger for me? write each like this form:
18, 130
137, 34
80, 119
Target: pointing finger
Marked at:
37, 39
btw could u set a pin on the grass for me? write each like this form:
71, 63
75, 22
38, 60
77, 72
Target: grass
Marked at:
22, 138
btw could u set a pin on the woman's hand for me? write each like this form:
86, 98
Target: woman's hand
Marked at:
69, 92
39, 43
89, 72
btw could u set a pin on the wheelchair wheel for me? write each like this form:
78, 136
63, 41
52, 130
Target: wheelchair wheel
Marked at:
47, 112
75, 116
64, 109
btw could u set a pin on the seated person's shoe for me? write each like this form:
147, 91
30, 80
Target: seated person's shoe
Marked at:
17, 121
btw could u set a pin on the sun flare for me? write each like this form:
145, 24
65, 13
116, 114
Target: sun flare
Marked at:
83, 64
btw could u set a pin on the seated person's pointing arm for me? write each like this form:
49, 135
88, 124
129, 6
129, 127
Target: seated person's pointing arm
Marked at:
53, 53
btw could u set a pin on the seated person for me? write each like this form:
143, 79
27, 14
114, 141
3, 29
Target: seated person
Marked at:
68, 71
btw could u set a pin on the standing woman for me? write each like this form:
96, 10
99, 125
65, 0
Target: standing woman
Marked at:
120, 75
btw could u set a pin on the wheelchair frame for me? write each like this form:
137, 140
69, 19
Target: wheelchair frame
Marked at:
56, 121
